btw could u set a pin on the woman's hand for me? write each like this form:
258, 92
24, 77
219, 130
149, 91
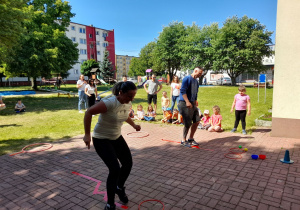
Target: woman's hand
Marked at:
137, 127
87, 140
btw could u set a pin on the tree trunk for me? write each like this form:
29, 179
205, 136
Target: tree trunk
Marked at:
33, 83
233, 81
201, 79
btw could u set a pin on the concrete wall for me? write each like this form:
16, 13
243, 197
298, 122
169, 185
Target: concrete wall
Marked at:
286, 95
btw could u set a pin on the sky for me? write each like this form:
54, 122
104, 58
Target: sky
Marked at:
138, 22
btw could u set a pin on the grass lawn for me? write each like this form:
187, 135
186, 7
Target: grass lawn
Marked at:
49, 118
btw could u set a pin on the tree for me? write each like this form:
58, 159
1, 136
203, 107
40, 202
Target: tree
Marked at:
196, 47
12, 14
240, 47
106, 67
87, 66
44, 48
136, 68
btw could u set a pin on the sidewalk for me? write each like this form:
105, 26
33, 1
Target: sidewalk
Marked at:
180, 177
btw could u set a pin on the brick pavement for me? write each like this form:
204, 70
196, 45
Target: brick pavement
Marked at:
181, 177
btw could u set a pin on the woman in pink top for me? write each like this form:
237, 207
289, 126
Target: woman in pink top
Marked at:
240, 102
215, 120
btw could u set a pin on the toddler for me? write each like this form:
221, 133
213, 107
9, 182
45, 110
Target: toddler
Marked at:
167, 115
151, 114
204, 123
215, 120
20, 107
165, 102
2, 105
179, 119
240, 102
131, 113
140, 112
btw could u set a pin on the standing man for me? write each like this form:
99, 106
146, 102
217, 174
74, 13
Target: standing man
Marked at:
152, 90
187, 106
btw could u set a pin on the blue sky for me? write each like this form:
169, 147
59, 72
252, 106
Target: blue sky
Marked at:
138, 22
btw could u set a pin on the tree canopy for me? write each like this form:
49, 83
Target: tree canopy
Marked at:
106, 67
240, 46
87, 66
44, 49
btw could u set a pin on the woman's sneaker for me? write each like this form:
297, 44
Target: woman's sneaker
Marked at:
185, 143
122, 195
193, 142
110, 207
244, 132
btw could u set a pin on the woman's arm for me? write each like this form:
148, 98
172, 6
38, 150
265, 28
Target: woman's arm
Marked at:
168, 103
96, 109
135, 126
86, 91
96, 92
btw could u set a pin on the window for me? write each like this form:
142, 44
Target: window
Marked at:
73, 39
98, 43
98, 52
91, 35
82, 60
104, 34
75, 71
83, 52
97, 33
73, 28
82, 41
105, 44
82, 30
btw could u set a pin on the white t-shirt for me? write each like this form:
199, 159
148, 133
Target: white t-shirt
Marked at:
90, 89
140, 114
176, 89
109, 124
79, 82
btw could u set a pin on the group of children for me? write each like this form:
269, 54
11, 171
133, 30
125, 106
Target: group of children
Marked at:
211, 123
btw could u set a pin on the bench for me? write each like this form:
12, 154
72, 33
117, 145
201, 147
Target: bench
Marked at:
261, 85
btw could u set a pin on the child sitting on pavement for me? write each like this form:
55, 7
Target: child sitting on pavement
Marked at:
20, 107
151, 114
140, 112
167, 115
204, 123
215, 120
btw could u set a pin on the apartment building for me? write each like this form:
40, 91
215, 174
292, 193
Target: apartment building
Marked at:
92, 43
122, 64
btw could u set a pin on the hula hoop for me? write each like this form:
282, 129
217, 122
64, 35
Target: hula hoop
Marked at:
23, 150
146, 134
239, 152
152, 200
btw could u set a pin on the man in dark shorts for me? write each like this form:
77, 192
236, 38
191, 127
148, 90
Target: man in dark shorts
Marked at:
152, 90
187, 106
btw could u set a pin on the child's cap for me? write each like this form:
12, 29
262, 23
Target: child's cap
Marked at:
168, 109
206, 111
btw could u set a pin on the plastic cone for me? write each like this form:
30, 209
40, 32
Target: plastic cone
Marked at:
287, 158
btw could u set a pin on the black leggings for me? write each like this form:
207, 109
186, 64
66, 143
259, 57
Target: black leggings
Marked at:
91, 100
111, 152
240, 115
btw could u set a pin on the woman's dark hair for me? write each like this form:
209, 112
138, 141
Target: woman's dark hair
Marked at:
90, 81
124, 86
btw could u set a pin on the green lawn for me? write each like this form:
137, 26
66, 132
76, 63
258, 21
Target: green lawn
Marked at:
50, 118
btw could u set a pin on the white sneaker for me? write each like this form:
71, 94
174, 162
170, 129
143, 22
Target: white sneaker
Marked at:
81, 111
94, 115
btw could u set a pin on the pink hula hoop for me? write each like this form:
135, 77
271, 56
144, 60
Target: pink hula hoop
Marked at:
152, 200
23, 150
146, 134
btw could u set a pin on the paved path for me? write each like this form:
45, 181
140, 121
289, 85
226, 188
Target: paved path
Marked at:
181, 177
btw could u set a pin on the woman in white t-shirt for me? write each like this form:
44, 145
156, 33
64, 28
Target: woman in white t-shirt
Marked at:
175, 91
91, 92
108, 141
81, 83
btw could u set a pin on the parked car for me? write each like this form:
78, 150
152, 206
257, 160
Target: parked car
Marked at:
224, 81
162, 80
132, 80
